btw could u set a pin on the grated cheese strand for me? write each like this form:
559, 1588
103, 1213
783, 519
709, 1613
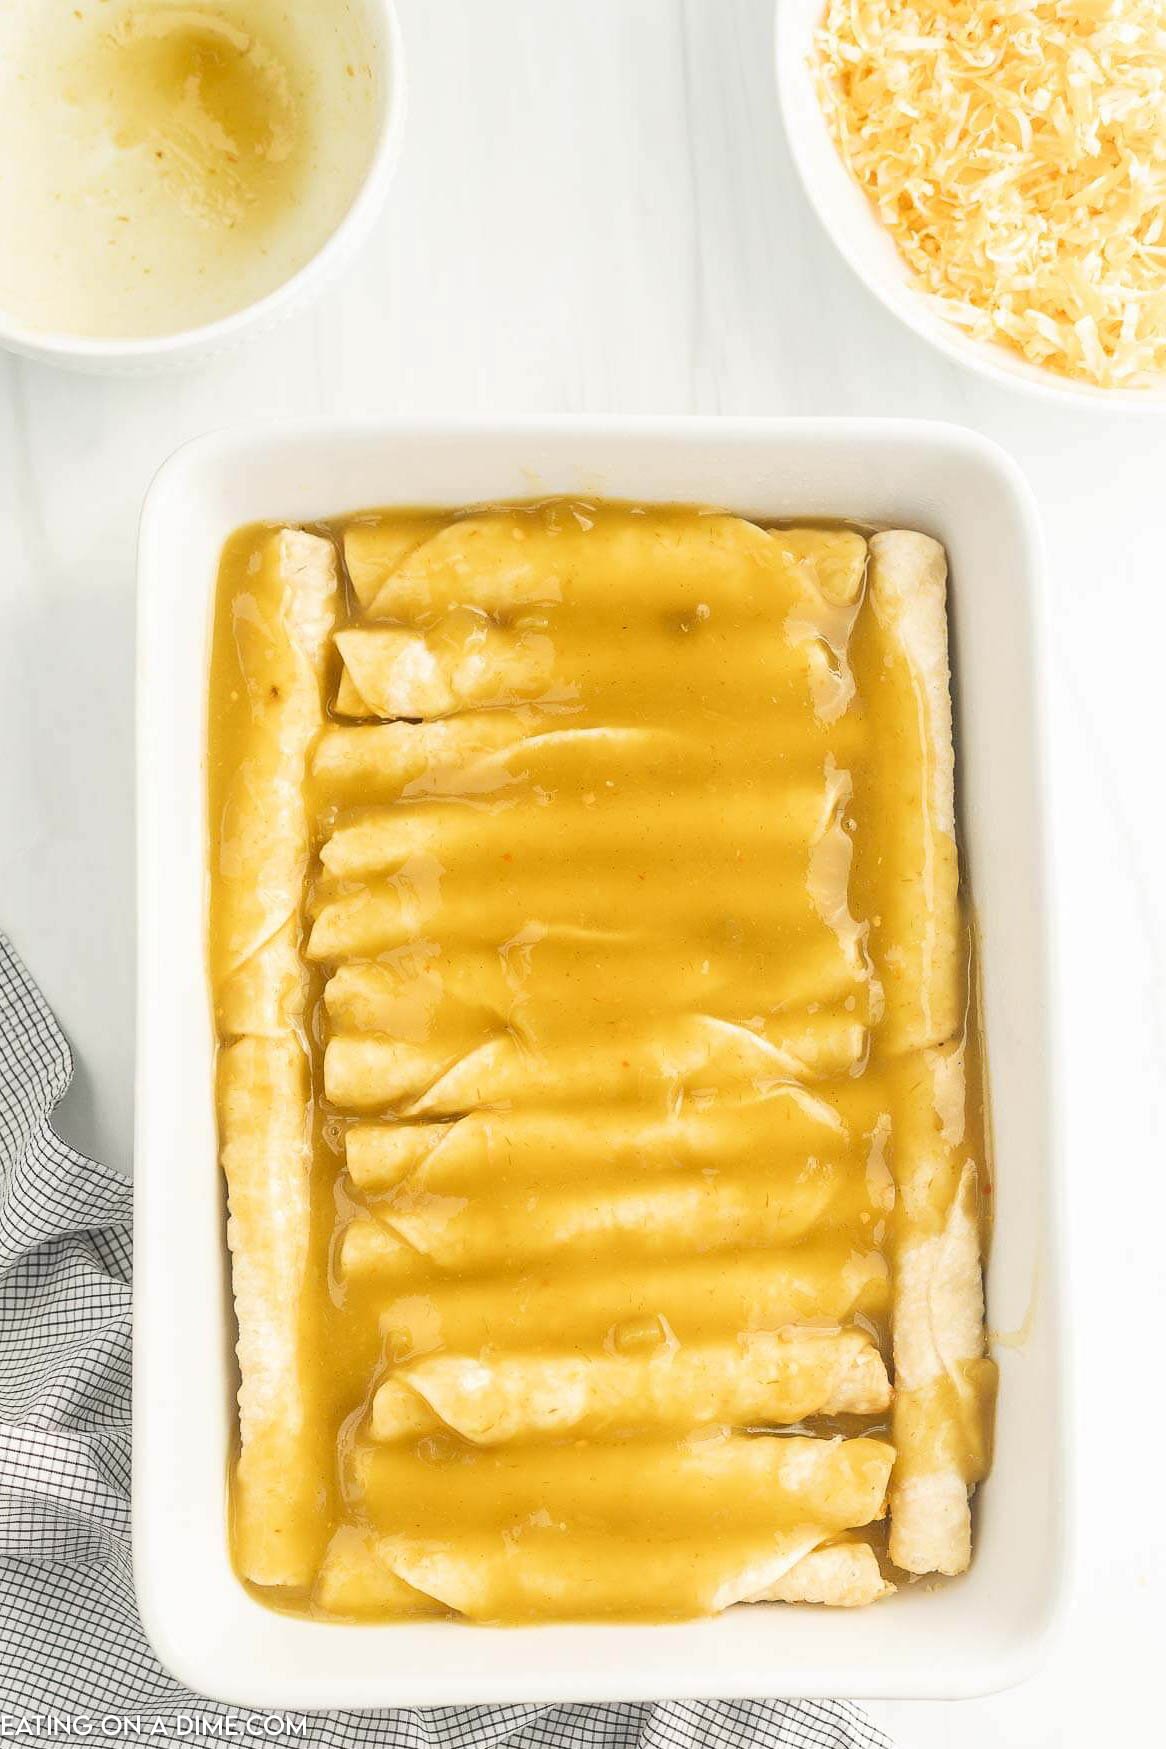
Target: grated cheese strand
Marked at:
1016, 152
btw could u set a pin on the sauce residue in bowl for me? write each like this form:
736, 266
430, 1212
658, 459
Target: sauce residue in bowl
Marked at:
167, 164
214, 107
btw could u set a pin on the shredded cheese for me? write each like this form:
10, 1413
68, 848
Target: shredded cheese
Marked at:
1016, 152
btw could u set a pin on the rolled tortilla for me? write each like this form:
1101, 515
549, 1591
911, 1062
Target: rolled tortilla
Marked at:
921, 968
369, 1249
260, 846
605, 1538
943, 1381
366, 1072
655, 1487
828, 871
372, 761
392, 672
358, 1579
762, 1379
375, 549
380, 918
264, 996
830, 561
408, 997
517, 1224
470, 913
828, 565
508, 562
266, 1151
938, 1313
827, 1282
260, 835
843, 1575
561, 1148
774, 826
380, 1155
354, 1581
418, 991
482, 753
496, 562
462, 1532
533, 1578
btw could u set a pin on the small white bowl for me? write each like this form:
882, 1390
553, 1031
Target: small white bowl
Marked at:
861, 239
130, 356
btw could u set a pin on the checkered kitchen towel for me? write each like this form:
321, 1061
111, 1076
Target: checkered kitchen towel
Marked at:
72, 1657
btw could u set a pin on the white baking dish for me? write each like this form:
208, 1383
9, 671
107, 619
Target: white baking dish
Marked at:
980, 1633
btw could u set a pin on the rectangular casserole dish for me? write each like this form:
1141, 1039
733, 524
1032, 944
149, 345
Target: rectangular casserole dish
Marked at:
980, 1633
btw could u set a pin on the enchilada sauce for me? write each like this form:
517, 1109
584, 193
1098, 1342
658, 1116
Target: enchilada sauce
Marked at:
605, 931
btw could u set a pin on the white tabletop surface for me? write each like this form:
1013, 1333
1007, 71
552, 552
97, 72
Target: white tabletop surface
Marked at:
595, 213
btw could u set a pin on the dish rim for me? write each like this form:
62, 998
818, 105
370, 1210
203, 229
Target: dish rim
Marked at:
230, 450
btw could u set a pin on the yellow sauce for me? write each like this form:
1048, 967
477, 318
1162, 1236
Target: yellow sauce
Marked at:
596, 1027
212, 105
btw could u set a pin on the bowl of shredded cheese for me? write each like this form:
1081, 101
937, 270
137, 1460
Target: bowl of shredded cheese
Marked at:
995, 171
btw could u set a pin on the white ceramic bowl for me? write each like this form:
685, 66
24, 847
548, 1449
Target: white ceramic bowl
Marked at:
861, 239
980, 1633
127, 356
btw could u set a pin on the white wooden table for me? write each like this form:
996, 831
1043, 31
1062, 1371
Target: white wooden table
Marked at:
595, 212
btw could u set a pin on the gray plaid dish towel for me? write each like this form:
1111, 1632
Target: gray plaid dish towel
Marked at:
73, 1661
